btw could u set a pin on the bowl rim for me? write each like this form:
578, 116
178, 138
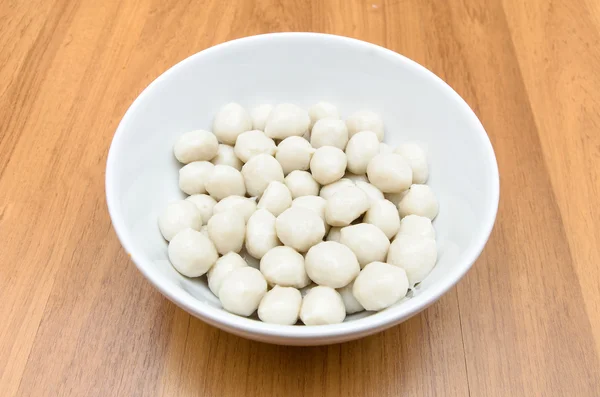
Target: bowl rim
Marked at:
228, 321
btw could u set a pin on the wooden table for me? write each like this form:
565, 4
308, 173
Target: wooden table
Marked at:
78, 319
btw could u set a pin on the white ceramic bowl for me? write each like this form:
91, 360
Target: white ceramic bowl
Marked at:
302, 68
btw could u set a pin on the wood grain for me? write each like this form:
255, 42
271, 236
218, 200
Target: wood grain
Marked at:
78, 319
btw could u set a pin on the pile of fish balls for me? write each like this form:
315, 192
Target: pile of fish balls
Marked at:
298, 215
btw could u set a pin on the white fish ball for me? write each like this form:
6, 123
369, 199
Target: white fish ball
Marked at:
322, 110
252, 143
384, 215
193, 177
281, 305
205, 204
334, 234
230, 121
299, 228
226, 156
221, 269
389, 172
261, 235
385, 148
227, 231
416, 255
284, 266
321, 306
367, 241
276, 198
328, 164
294, 153
196, 145
356, 178
331, 264
225, 181
329, 132
361, 149
419, 200
346, 205
259, 171
350, 302
259, 116
242, 290
379, 285
242, 205
287, 120
314, 203
179, 215
372, 192
417, 159
191, 253
328, 191
365, 120
301, 183
416, 225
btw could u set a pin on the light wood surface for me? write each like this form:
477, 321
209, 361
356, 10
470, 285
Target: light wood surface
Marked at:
78, 319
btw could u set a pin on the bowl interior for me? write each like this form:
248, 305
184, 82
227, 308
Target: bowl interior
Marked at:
303, 69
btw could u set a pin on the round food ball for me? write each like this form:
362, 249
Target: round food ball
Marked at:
221, 269
365, 120
276, 198
367, 241
242, 291
196, 145
417, 159
226, 156
301, 183
287, 120
227, 231
384, 215
322, 110
334, 234
294, 153
205, 205
331, 264
191, 253
329, 132
416, 255
328, 164
314, 203
259, 116
259, 171
416, 225
284, 266
390, 173
242, 205
299, 228
346, 205
252, 143
419, 200
321, 306
179, 215
328, 191
380, 285
385, 148
261, 235
230, 121
361, 149
225, 181
372, 192
350, 302
281, 305
193, 177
